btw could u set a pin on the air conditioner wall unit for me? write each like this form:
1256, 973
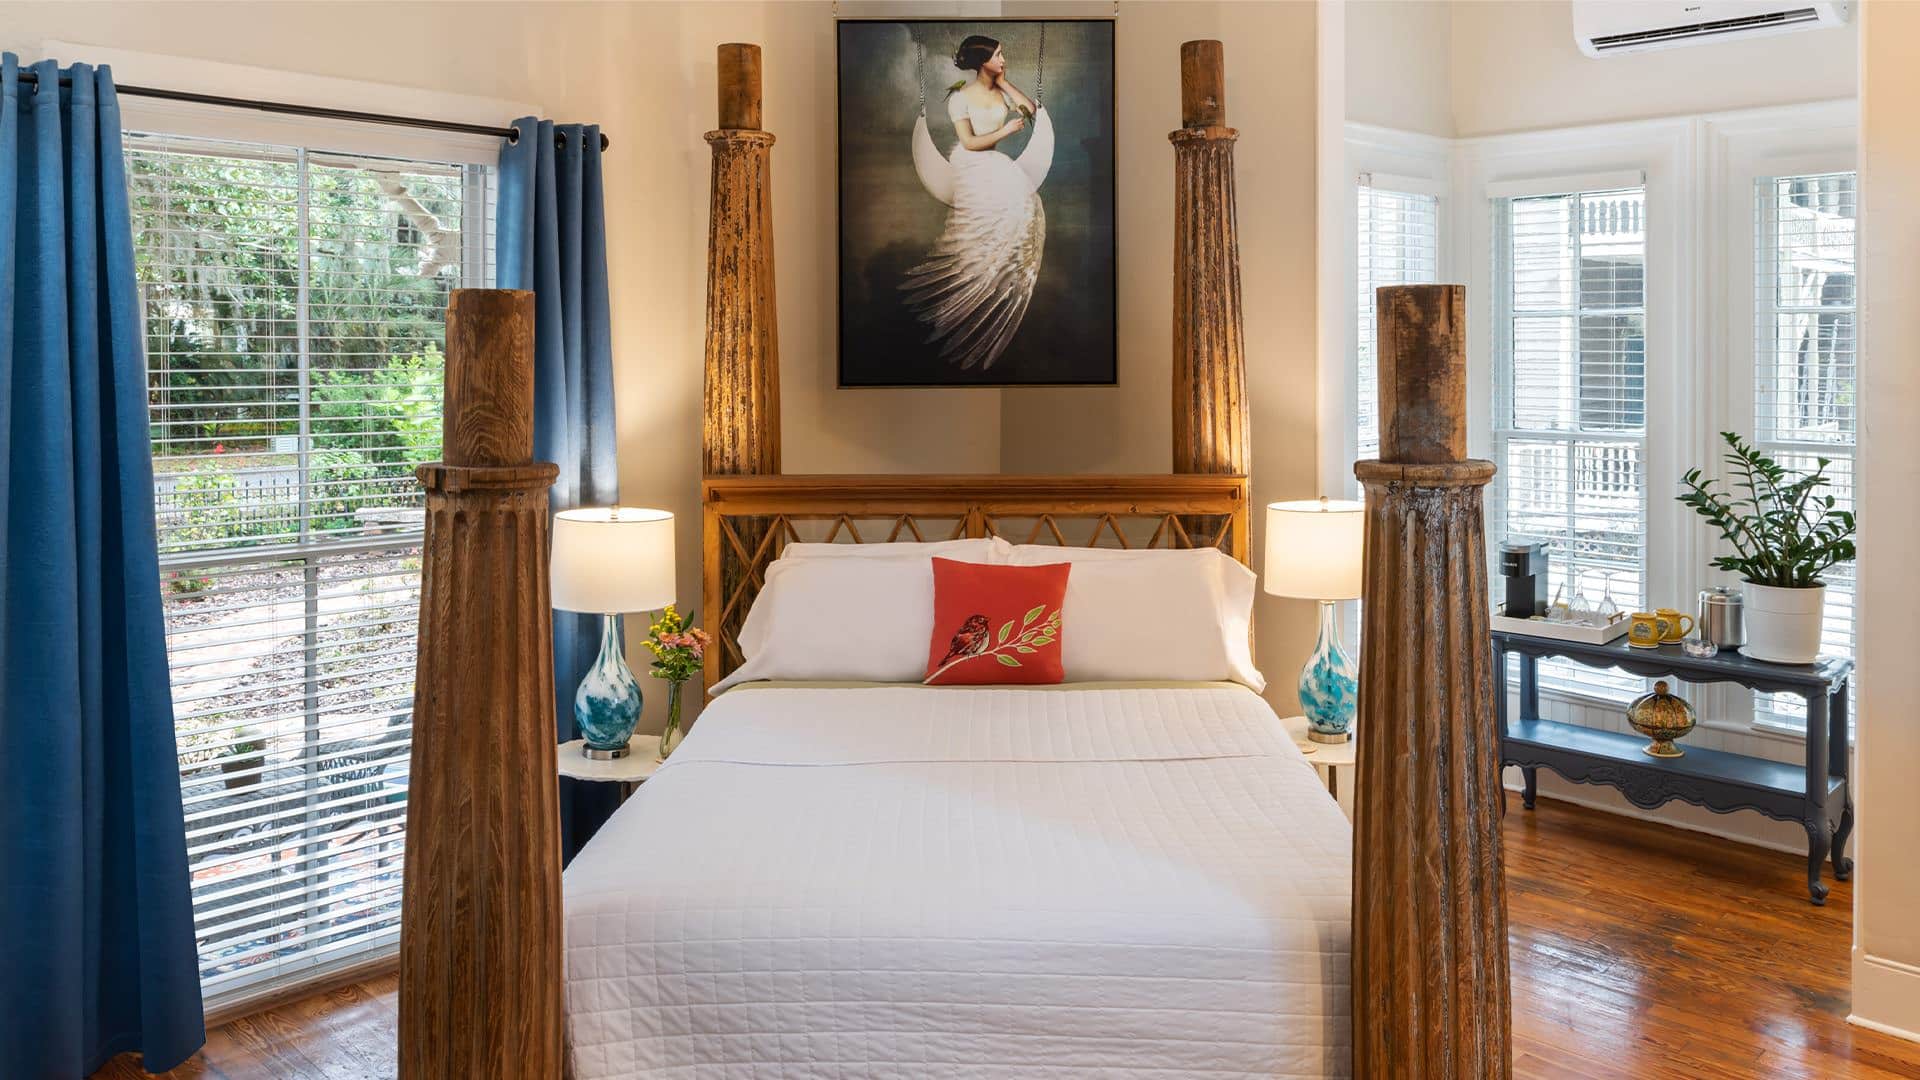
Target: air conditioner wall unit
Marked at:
1612, 27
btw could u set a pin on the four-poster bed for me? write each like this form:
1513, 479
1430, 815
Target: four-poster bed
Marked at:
1093, 877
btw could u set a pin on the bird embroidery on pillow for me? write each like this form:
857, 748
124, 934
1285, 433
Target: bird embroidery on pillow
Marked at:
971, 640
975, 639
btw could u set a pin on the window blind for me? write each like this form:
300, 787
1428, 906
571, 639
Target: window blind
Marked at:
1569, 431
1805, 348
294, 325
1398, 244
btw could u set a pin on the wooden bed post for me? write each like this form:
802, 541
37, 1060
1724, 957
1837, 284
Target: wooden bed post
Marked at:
741, 431
1430, 994
742, 428
480, 963
1209, 350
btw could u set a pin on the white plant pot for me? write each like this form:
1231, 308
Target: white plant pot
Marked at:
1783, 625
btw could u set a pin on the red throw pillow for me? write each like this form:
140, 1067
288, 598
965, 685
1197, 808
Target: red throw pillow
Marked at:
996, 624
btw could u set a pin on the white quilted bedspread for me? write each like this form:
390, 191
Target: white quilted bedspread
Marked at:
907, 882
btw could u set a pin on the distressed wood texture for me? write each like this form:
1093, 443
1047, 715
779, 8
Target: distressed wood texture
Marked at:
748, 520
1424, 327
739, 86
1203, 84
1209, 346
1430, 979
489, 395
741, 433
480, 960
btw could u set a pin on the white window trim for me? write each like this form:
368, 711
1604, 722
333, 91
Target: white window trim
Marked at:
249, 125
1398, 161
1737, 151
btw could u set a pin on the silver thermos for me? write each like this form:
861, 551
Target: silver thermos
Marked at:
1723, 617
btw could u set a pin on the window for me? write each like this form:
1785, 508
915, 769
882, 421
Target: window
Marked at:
1804, 406
1569, 423
294, 326
1399, 244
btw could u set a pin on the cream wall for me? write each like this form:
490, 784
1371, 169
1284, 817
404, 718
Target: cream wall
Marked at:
1271, 99
646, 73
1516, 68
1886, 953
1400, 65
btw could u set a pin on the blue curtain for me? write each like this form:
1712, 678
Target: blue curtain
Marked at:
552, 237
97, 951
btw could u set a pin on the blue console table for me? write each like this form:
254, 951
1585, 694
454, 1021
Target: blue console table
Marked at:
1817, 796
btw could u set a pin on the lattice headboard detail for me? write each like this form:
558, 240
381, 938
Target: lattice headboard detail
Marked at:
749, 519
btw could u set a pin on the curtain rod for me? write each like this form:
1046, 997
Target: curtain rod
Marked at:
510, 134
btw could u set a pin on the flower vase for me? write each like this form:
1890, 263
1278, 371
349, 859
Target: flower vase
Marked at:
607, 705
671, 735
1329, 685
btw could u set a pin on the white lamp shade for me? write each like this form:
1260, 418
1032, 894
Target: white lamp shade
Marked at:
612, 559
1313, 548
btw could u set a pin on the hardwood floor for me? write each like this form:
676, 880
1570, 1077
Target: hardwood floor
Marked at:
1638, 951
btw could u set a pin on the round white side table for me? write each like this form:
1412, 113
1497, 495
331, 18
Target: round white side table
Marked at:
629, 772
1329, 758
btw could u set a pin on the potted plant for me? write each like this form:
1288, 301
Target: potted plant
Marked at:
245, 759
1784, 532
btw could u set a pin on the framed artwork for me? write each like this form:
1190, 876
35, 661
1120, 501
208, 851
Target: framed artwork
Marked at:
976, 171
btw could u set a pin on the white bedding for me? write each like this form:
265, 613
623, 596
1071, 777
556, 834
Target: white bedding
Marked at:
909, 881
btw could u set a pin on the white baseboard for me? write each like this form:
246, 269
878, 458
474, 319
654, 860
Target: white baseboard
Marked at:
1886, 996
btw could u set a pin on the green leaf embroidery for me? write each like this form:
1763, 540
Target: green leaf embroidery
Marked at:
1007, 660
1032, 615
1006, 629
1024, 649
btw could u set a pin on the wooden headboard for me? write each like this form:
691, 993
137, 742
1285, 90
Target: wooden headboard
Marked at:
748, 520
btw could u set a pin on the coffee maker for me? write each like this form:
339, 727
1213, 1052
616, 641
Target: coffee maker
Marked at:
1524, 566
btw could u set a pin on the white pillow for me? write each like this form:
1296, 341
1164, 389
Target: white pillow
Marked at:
983, 550
1181, 614
753, 629
866, 620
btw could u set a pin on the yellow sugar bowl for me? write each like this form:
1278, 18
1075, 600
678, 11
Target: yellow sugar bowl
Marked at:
1647, 629
1662, 717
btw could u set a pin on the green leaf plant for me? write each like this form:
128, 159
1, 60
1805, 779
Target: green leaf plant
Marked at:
1784, 531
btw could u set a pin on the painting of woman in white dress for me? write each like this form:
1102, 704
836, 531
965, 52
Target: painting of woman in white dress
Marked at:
976, 203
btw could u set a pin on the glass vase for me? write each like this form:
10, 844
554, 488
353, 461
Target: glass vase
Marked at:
1329, 685
671, 735
607, 705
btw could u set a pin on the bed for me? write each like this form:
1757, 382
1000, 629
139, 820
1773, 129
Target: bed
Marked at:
1092, 879
876, 879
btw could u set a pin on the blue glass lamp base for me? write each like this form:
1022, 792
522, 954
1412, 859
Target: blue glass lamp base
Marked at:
1329, 685
606, 708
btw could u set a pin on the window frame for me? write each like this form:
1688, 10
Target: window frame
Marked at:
1398, 161
318, 135
1659, 155
1746, 148
1503, 432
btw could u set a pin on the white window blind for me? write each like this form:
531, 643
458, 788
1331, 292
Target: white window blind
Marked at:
1804, 406
294, 327
1569, 429
1398, 244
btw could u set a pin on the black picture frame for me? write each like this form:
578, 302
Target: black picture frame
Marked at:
889, 220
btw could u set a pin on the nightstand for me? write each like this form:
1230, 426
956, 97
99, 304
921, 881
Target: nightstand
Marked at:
629, 772
1329, 758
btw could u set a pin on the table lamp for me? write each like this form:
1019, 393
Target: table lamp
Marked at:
607, 560
1313, 553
